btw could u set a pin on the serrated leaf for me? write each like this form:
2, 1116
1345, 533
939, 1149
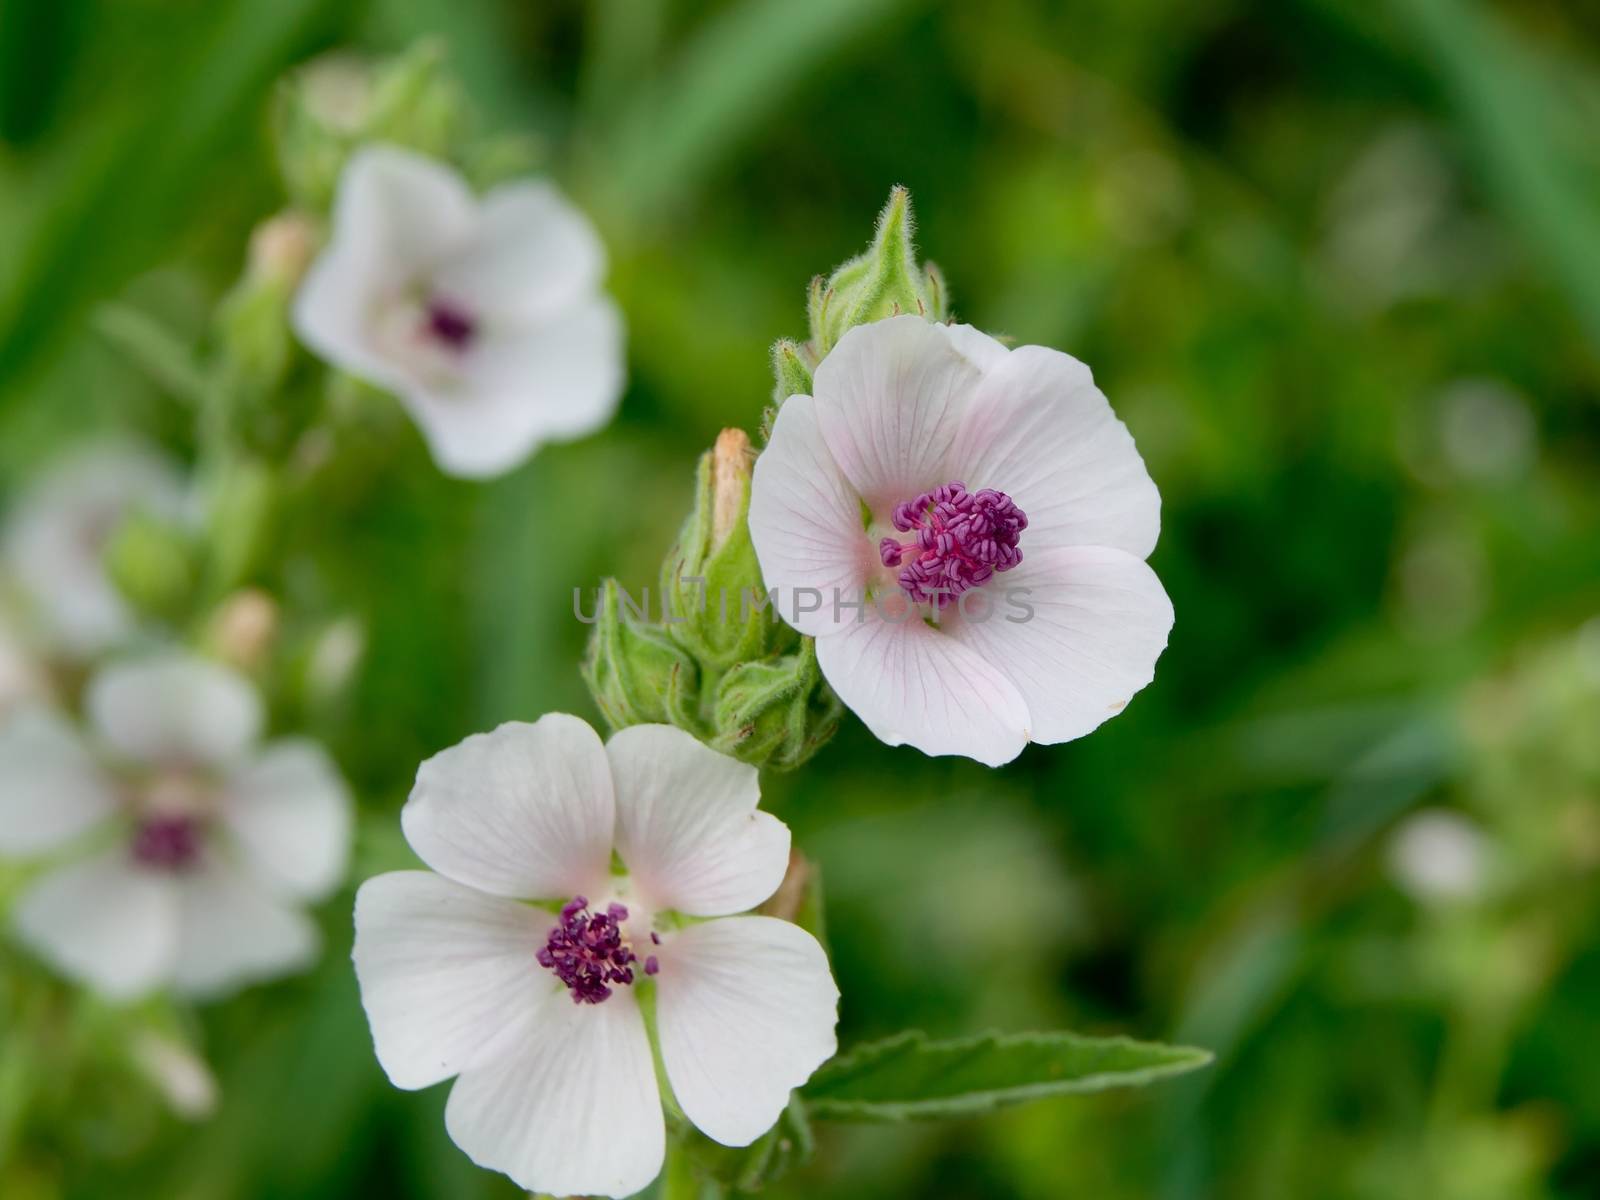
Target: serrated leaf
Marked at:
909, 1076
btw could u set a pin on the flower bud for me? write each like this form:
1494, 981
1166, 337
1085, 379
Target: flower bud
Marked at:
884, 282
332, 105
152, 563
711, 575
776, 712
181, 1076
253, 320
335, 657
635, 672
242, 515
244, 627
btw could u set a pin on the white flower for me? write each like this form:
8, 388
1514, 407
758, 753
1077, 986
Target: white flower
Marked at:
55, 540
484, 316
993, 515
1439, 856
535, 1009
200, 847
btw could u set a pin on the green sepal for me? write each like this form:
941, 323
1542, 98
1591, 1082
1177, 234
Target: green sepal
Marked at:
775, 712
152, 562
334, 105
712, 568
635, 672
699, 1168
243, 515
885, 281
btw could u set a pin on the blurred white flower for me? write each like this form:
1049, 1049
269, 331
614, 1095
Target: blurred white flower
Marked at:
994, 515
178, 1073
534, 1008
55, 539
1487, 430
206, 845
485, 316
1439, 855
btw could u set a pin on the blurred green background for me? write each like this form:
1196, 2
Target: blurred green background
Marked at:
1338, 267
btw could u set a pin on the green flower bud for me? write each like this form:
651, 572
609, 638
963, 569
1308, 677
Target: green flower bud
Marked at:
884, 282
243, 511
152, 563
777, 712
331, 106
635, 672
711, 576
253, 321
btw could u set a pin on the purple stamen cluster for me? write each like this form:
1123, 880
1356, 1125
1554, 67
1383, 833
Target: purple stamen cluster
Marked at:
167, 843
962, 539
447, 323
586, 951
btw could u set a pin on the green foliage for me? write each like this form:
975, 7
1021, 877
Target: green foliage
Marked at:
908, 1076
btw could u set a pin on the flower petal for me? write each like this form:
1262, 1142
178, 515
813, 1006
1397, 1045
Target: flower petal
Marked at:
525, 811
914, 685
175, 708
522, 386
687, 824
51, 788
397, 215
532, 256
442, 969
104, 921
290, 812
806, 522
233, 931
746, 1008
984, 352
1041, 432
890, 397
56, 533
1100, 620
568, 1107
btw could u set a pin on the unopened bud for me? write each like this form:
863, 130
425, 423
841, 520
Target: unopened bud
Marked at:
776, 712
152, 563
253, 320
333, 105
177, 1072
244, 627
713, 567
281, 248
885, 281
635, 672
731, 460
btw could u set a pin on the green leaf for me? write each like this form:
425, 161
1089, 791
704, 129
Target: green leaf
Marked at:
908, 1076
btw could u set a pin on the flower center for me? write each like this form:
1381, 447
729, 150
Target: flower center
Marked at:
588, 952
168, 843
449, 325
961, 539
